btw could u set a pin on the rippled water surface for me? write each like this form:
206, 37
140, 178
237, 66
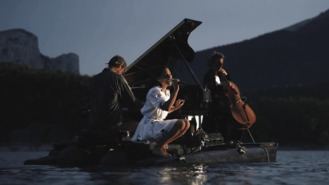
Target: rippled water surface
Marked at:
292, 167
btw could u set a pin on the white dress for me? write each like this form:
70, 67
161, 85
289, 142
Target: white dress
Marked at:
153, 126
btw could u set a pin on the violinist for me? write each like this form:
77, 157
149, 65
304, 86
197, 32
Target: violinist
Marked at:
219, 117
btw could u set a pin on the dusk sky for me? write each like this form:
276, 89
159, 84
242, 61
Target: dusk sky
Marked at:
98, 29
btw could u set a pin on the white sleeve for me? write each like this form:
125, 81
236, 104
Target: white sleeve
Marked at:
155, 97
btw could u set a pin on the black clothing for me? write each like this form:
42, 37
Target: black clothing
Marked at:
219, 117
110, 92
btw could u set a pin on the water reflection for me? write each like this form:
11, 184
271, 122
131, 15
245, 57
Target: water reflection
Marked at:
293, 167
195, 175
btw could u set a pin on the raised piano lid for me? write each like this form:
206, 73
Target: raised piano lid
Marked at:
169, 51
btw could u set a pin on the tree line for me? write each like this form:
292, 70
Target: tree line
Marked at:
46, 107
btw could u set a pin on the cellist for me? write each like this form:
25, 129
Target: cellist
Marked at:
219, 117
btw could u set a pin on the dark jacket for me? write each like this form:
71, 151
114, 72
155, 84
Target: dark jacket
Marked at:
218, 92
110, 92
219, 114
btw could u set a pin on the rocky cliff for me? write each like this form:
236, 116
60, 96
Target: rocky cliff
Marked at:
21, 47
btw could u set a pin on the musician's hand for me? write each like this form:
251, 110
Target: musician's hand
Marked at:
179, 103
222, 71
175, 85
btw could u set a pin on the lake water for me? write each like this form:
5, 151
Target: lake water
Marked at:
292, 167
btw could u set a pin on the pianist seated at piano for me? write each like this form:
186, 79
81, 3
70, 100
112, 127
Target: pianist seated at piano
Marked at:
154, 128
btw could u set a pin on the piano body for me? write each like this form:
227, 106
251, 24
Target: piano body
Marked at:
173, 51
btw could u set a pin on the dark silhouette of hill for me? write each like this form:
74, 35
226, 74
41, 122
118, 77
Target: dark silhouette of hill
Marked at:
294, 56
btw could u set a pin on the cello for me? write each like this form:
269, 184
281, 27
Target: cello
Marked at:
240, 110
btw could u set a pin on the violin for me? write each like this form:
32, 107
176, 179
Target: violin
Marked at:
240, 110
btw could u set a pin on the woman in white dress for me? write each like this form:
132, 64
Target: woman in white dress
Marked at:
158, 104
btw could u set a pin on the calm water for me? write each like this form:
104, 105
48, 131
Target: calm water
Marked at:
292, 167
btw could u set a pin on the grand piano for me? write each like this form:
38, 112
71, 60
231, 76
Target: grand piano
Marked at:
173, 51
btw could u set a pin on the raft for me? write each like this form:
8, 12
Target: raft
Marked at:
133, 154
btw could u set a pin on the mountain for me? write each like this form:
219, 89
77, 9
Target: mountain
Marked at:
289, 57
21, 47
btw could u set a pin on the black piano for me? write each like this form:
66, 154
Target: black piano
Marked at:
173, 51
